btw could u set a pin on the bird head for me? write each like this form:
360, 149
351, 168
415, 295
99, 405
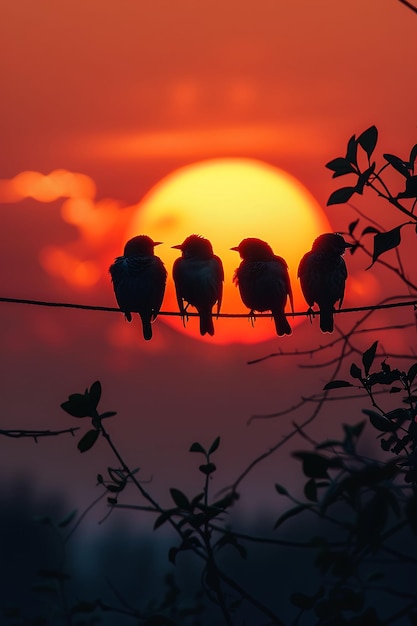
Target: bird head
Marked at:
141, 245
253, 249
331, 243
195, 246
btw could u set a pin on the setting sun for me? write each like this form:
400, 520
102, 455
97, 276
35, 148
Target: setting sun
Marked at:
227, 200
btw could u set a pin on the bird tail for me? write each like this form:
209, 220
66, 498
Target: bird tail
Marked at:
146, 327
206, 323
281, 323
326, 319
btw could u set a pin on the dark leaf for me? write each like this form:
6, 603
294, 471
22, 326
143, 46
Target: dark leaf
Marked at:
107, 414
412, 372
363, 178
78, 405
310, 490
352, 226
335, 384
367, 140
197, 447
165, 516
351, 151
172, 555
413, 156
410, 188
368, 357
341, 195
315, 465
180, 499
370, 230
355, 371
340, 167
281, 490
214, 445
67, 519
386, 241
380, 422
95, 393
396, 390
291, 513
207, 468
88, 440
398, 164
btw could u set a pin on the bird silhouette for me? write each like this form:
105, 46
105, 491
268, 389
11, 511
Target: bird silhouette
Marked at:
323, 273
139, 279
198, 276
263, 281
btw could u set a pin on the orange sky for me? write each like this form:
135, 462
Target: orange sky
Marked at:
122, 94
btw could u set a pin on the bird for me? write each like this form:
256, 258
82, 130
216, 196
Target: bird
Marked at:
198, 277
323, 273
139, 278
263, 281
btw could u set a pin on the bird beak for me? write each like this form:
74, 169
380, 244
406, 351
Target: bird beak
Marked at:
157, 243
177, 247
236, 248
349, 245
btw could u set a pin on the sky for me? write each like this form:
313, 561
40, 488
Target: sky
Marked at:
116, 97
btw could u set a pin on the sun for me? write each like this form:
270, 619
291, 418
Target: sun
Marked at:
227, 200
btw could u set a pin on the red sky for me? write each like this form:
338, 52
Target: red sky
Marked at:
124, 94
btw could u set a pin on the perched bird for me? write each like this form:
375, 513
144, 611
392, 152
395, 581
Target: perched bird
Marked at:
198, 277
139, 279
263, 281
323, 273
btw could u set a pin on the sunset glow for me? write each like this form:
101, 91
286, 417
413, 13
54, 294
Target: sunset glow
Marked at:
226, 200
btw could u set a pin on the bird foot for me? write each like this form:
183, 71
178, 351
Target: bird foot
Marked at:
311, 314
184, 316
252, 318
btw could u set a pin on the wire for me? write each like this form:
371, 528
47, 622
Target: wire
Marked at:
109, 309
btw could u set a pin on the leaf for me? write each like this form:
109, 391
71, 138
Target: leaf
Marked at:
207, 468
291, 513
310, 490
413, 156
351, 151
314, 465
340, 167
281, 490
370, 229
107, 414
352, 226
67, 519
341, 195
380, 422
335, 384
88, 440
410, 188
363, 178
78, 405
165, 516
355, 371
197, 447
368, 139
368, 357
386, 241
412, 372
398, 164
180, 499
95, 393
214, 445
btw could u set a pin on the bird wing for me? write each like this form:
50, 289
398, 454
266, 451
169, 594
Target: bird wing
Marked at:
287, 280
220, 279
176, 274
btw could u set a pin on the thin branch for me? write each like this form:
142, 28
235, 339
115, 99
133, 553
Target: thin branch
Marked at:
36, 434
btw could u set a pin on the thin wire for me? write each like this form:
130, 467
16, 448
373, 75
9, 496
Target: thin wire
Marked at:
88, 307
